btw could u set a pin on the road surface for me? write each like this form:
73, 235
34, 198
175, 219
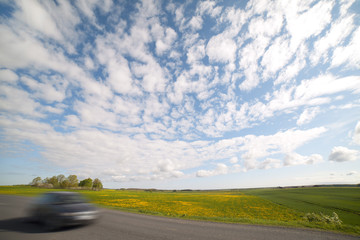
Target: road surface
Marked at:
128, 226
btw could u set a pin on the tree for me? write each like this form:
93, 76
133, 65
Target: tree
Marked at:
54, 181
36, 182
60, 178
86, 183
73, 181
65, 183
97, 185
60, 181
46, 180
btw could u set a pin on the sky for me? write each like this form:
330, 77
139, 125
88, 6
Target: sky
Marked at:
181, 94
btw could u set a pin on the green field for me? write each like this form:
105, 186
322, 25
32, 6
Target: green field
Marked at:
285, 207
345, 201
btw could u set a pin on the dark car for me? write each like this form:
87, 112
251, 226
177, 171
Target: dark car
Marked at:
59, 209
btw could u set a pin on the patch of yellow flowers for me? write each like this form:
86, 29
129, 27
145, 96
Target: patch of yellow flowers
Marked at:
231, 205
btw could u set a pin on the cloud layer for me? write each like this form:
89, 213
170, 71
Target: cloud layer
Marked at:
152, 90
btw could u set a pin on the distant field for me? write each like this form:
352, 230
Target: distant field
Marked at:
261, 206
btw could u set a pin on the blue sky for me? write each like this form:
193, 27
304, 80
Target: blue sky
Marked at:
181, 94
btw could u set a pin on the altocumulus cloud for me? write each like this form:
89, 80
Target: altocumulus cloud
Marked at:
153, 90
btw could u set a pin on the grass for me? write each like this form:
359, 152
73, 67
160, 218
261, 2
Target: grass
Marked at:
284, 207
345, 201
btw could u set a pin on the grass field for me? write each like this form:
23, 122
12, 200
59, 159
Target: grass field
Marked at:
345, 201
286, 207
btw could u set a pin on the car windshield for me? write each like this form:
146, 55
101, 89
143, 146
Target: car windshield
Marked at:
68, 199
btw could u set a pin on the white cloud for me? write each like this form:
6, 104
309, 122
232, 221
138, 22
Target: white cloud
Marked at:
307, 115
196, 52
120, 77
14, 45
260, 27
168, 167
154, 79
281, 142
208, 7
196, 23
269, 163
352, 173
50, 21
297, 159
164, 37
289, 72
310, 92
276, 56
248, 61
236, 17
8, 76
343, 154
304, 22
67, 19
47, 91
56, 110
72, 121
38, 56
253, 149
219, 170
95, 115
356, 136
234, 160
334, 37
97, 151
181, 86
87, 8
221, 48
326, 85
348, 55
18, 101
36, 16
119, 151
155, 107
125, 107
260, 30
251, 79
165, 43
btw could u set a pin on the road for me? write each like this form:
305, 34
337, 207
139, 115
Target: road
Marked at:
128, 226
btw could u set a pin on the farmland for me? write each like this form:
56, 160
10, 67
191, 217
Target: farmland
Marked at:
345, 201
286, 207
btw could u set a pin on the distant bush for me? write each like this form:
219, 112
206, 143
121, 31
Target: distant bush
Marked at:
322, 218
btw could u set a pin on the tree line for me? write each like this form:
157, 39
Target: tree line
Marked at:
60, 181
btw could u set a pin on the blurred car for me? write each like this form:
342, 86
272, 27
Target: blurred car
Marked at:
59, 209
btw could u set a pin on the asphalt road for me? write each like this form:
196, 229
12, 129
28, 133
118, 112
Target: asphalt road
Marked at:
128, 226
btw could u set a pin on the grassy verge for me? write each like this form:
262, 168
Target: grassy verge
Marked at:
266, 207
